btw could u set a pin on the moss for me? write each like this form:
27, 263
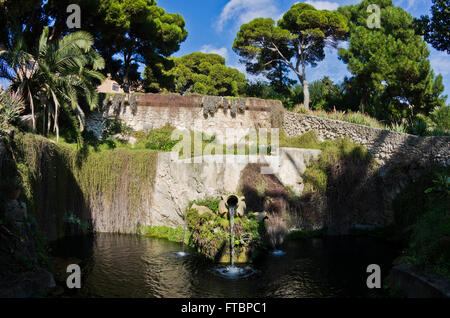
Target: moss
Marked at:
176, 234
101, 174
60, 180
210, 234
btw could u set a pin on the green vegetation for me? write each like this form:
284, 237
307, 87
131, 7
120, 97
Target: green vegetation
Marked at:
435, 29
165, 232
54, 76
63, 179
306, 140
390, 65
211, 203
422, 216
297, 40
157, 139
350, 117
210, 233
11, 106
316, 176
203, 73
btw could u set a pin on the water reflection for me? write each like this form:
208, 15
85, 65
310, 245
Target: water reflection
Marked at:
131, 266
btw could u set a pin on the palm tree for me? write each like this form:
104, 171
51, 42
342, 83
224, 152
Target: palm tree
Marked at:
58, 74
16, 65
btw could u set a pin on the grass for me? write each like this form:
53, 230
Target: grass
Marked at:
350, 117
164, 232
315, 176
307, 140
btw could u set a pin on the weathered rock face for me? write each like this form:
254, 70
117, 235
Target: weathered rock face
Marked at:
390, 148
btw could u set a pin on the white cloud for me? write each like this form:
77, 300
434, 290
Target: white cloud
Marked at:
223, 51
243, 11
323, 5
409, 3
440, 63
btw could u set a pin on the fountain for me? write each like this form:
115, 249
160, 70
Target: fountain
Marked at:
232, 271
183, 253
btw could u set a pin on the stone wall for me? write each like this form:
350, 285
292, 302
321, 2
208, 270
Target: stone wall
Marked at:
387, 146
184, 112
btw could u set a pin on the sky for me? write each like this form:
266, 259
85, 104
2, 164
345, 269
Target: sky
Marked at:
213, 25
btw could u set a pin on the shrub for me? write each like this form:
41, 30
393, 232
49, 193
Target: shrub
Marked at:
157, 139
430, 242
316, 175
440, 117
11, 106
115, 126
210, 233
306, 140
211, 203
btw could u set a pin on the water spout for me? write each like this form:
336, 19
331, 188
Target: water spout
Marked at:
232, 203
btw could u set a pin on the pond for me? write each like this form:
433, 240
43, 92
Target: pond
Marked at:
116, 265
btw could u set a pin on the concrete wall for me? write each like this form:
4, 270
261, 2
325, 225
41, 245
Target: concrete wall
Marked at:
177, 182
387, 146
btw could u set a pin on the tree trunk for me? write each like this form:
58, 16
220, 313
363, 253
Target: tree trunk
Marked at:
49, 121
305, 94
81, 117
33, 116
304, 82
362, 105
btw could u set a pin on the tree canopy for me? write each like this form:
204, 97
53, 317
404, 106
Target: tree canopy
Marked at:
297, 40
390, 66
126, 32
203, 73
436, 29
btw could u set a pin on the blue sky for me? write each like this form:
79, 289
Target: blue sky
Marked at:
212, 27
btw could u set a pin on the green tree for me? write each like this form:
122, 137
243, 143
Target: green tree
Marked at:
204, 73
390, 66
57, 74
325, 94
126, 32
436, 29
26, 16
297, 40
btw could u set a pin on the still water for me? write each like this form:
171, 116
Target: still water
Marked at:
116, 265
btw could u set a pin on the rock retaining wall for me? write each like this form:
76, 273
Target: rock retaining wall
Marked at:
387, 146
